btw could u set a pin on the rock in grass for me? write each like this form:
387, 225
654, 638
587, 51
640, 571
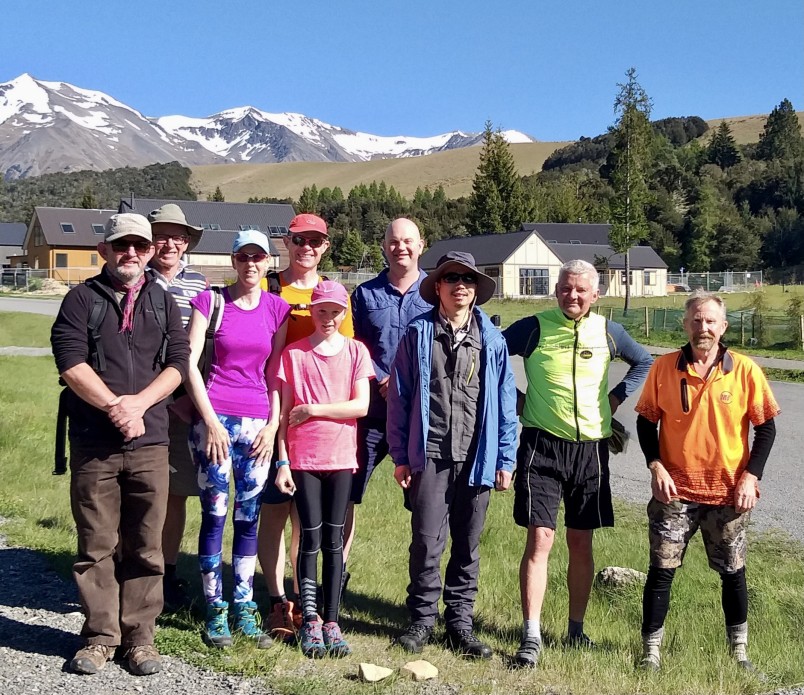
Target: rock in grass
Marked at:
615, 577
420, 670
372, 673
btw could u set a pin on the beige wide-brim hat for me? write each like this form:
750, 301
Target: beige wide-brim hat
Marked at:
173, 214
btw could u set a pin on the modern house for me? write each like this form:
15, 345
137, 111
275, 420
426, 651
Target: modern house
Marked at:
12, 236
524, 264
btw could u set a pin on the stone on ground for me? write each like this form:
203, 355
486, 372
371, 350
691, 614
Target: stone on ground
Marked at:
620, 576
372, 673
420, 670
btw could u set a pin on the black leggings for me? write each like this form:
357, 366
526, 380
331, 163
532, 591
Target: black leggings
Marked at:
656, 597
321, 500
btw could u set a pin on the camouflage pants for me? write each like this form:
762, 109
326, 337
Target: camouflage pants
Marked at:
671, 526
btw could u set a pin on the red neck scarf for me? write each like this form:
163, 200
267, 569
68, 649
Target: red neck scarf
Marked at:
127, 324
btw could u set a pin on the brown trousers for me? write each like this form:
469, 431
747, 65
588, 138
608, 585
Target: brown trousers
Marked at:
118, 501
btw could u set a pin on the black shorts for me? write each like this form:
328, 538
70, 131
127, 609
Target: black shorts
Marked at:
548, 469
372, 448
271, 493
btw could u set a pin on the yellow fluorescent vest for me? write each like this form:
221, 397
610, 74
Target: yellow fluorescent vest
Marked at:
567, 375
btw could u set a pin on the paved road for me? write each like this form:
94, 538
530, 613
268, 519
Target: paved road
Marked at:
48, 307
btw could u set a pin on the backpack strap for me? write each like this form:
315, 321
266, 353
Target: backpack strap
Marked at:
160, 313
274, 283
214, 323
97, 359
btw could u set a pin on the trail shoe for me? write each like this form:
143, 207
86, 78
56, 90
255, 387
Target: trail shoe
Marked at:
738, 644
176, 593
92, 658
280, 622
414, 638
216, 627
651, 656
581, 641
143, 660
247, 622
465, 643
311, 640
527, 656
334, 642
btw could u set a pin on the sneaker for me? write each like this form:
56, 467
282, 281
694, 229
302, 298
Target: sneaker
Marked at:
297, 616
176, 593
280, 622
465, 643
581, 641
143, 660
216, 626
92, 658
334, 642
311, 640
415, 637
527, 656
247, 621
651, 663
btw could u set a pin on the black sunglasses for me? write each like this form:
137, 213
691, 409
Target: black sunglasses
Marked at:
140, 246
246, 257
299, 240
454, 278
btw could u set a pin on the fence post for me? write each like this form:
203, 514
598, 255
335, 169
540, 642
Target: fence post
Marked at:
742, 328
801, 327
611, 313
647, 324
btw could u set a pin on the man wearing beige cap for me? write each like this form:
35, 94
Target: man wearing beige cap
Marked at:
121, 349
173, 236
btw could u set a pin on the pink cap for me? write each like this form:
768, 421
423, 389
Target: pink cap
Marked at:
330, 291
307, 222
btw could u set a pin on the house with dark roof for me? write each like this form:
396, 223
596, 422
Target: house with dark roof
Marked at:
524, 264
12, 235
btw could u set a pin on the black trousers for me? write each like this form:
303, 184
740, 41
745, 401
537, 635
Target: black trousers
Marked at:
443, 501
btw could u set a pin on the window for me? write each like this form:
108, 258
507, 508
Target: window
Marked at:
93, 259
575, 241
61, 260
275, 231
67, 228
246, 227
649, 278
212, 227
39, 238
97, 228
492, 272
630, 277
534, 281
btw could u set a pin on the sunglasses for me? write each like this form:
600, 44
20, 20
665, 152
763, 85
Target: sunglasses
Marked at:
304, 241
246, 257
140, 246
454, 278
175, 238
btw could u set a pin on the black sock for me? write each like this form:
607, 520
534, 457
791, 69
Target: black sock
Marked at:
275, 600
170, 571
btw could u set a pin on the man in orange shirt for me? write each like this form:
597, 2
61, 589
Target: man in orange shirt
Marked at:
703, 473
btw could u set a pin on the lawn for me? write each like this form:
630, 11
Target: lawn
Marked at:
695, 656
24, 330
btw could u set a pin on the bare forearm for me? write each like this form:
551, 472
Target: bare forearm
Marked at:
198, 394
345, 410
88, 386
161, 387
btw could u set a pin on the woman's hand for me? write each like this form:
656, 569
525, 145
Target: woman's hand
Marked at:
301, 413
217, 442
263, 445
284, 480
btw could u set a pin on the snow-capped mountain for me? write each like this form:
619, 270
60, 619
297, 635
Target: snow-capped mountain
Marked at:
55, 126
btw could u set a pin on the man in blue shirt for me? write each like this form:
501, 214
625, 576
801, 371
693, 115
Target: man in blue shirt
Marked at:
382, 308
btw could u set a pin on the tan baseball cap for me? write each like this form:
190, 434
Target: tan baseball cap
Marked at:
127, 224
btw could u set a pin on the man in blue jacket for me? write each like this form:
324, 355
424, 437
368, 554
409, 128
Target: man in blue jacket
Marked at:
452, 435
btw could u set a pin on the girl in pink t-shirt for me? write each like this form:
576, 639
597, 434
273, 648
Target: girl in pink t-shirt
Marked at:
325, 388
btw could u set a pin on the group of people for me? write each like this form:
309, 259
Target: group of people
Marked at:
293, 393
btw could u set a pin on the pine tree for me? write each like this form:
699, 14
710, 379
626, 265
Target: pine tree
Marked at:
781, 138
630, 162
722, 148
496, 203
308, 200
88, 201
217, 196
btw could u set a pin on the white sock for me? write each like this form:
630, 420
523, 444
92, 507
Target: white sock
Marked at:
532, 630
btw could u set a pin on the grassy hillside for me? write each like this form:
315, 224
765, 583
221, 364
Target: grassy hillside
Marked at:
745, 129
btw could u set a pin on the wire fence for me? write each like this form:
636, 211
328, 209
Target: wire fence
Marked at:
726, 281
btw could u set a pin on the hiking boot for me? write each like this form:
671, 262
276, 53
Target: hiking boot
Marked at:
216, 626
311, 640
737, 636
415, 637
651, 656
176, 593
247, 622
581, 641
465, 643
280, 622
92, 658
334, 642
527, 656
143, 660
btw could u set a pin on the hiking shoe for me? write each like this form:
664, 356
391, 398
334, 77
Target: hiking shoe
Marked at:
177, 594
415, 637
651, 663
280, 622
311, 640
216, 626
527, 656
334, 642
298, 617
247, 622
581, 641
143, 660
92, 658
465, 643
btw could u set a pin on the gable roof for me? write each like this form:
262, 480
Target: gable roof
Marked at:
567, 232
488, 249
642, 257
12, 233
219, 241
83, 234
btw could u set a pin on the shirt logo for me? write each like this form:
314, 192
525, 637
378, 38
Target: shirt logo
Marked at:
725, 397
586, 354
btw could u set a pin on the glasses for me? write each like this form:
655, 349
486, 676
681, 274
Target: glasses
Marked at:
177, 239
246, 257
304, 241
454, 278
140, 246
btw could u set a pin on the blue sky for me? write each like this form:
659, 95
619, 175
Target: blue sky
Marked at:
418, 67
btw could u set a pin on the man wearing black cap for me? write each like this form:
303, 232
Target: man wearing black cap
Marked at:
452, 436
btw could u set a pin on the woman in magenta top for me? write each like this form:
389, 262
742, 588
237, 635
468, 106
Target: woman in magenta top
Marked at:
325, 388
233, 432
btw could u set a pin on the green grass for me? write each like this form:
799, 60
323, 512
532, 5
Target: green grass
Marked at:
24, 330
695, 657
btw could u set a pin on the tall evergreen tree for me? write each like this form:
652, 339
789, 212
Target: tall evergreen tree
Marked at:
781, 137
217, 196
496, 203
630, 159
722, 148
